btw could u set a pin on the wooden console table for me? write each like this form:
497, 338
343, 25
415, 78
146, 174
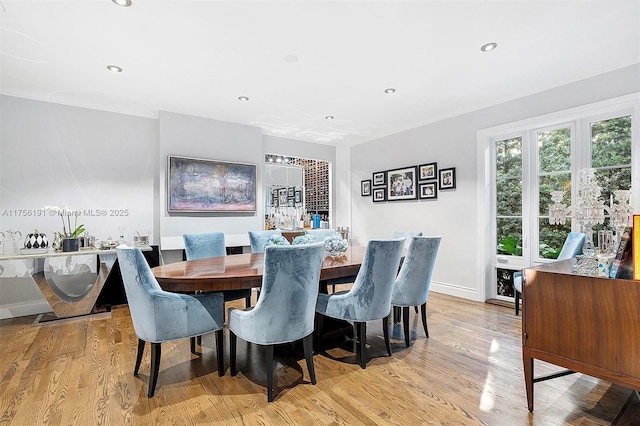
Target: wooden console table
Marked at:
586, 324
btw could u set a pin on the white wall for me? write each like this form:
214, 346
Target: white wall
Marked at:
80, 158
453, 143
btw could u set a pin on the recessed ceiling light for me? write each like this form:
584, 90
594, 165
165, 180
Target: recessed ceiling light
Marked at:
291, 59
329, 117
123, 3
114, 68
390, 90
243, 98
489, 47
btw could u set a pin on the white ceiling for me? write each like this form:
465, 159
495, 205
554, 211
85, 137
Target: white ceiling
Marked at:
198, 57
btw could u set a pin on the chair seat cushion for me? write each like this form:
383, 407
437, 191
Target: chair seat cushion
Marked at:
517, 281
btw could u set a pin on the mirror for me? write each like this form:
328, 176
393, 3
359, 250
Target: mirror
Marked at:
284, 196
295, 190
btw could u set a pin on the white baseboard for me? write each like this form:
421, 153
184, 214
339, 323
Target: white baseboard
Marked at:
456, 290
23, 309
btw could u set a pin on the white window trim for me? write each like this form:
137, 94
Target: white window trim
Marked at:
625, 105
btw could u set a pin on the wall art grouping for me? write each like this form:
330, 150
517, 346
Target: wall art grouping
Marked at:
286, 197
421, 182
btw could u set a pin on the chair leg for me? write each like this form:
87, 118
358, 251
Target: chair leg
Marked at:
416, 309
385, 331
192, 340
361, 332
233, 340
269, 373
423, 309
396, 314
405, 323
247, 301
517, 302
318, 331
156, 353
220, 351
199, 340
307, 343
139, 356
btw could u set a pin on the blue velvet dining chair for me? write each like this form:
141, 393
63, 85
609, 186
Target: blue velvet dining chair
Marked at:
203, 245
160, 316
572, 247
369, 298
257, 239
212, 244
286, 308
320, 235
407, 235
411, 287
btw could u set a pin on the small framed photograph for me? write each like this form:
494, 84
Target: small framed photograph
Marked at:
365, 188
298, 197
282, 197
428, 171
402, 184
447, 178
274, 198
290, 191
428, 191
290, 202
379, 194
379, 178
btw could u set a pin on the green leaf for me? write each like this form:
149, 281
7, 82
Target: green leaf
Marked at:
79, 230
509, 245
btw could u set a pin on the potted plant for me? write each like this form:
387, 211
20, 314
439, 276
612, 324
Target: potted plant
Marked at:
68, 236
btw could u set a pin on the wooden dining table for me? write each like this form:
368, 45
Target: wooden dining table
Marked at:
243, 271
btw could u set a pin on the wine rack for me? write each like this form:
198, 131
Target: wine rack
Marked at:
316, 182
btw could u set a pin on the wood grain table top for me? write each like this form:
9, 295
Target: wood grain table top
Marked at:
241, 271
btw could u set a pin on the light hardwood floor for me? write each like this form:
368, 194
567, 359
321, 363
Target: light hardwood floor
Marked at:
469, 372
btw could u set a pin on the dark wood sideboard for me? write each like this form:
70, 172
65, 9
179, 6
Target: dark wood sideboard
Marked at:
586, 324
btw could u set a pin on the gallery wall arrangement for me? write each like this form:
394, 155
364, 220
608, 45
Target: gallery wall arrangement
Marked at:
422, 182
286, 197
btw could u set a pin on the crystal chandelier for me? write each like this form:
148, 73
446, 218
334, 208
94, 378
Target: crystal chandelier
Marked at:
589, 210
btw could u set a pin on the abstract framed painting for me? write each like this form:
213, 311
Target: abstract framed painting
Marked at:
200, 185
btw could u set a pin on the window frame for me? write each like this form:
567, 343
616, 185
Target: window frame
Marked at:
486, 138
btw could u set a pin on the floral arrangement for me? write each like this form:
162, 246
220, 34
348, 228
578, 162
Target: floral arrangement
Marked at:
335, 244
276, 240
67, 231
304, 239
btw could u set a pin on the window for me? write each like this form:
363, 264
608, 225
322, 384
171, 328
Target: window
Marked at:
525, 162
509, 196
554, 147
